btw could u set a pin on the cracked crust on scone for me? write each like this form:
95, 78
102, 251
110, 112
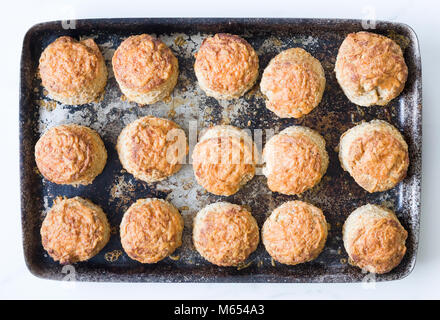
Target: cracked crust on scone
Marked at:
293, 83
295, 160
224, 159
151, 148
375, 154
370, 69
374, 239
226, 66
151, 230
145, 69
70, 154
74, 230
225, 234
73, 72
295, 233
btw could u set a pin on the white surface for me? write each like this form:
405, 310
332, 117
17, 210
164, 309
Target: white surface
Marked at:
18, 16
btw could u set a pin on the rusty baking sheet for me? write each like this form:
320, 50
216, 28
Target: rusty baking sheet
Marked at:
114, 190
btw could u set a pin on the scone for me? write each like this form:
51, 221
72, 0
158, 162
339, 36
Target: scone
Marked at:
73, 72
375, 154
70, 154
145, 69
374, 239
295, 160
74, 230
151, 229
151, 148
225, 234
293, 83
226, 66
295, 232
224, 160
370, 69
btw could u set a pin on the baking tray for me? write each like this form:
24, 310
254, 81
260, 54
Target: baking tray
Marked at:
114, 190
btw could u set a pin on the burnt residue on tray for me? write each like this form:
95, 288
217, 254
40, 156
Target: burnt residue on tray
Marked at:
115, 190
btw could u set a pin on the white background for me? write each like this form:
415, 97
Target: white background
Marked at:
18, 16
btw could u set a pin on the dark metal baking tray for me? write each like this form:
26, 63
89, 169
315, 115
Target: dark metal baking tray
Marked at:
114, 190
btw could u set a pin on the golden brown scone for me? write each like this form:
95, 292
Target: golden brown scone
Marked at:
73, 72
370, 69
224, 160
375, 154
74, 230
225, 234
295, 160
151, 148
226, 66
70, 154
293, 83
151, 230
145, 69
295, 232
374, 239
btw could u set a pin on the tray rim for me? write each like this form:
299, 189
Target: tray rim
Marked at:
246, 278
